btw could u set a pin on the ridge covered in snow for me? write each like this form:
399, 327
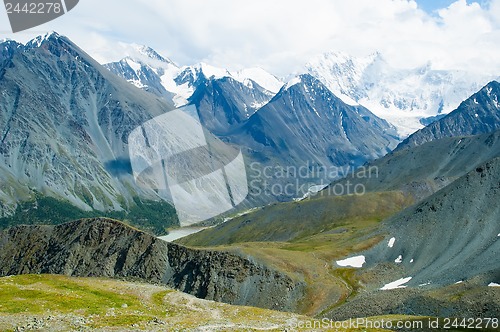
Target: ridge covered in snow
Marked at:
407, 98
259, 76
143, 67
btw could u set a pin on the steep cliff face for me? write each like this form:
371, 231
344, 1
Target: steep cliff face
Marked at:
108, 248
229, 278
91, 247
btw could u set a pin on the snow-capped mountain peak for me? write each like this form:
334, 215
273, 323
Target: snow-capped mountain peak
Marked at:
211, 72
148, 70
39, 40
150, 53
259, 76
294, 81
402, 96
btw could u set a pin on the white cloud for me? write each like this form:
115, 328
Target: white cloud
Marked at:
282, 35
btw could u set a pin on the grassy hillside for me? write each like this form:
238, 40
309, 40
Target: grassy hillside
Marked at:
295, 221
57, 303
303, 239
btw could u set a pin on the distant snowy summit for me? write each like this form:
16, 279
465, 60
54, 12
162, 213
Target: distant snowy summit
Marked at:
407, 98
402, 96
148, 70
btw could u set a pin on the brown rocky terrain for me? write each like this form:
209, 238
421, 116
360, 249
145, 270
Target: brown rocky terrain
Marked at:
108, 248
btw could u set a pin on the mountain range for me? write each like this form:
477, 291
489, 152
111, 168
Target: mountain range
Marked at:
404, 97
440, 153
65, 122
419, 240
75, 147
409, 99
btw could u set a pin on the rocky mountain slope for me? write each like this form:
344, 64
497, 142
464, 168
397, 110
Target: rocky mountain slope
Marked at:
305, 122
431, 249
401, 96
479, 114
64, 122
107, 248
422, 170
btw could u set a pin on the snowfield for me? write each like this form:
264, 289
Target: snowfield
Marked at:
357, 262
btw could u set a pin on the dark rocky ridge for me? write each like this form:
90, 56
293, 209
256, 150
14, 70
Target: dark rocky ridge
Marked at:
425, 169
108, 248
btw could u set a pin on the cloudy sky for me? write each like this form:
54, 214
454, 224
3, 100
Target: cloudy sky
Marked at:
281, 35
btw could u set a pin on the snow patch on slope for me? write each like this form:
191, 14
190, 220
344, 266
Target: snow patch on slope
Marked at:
357, 262
391, 242
396, 284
